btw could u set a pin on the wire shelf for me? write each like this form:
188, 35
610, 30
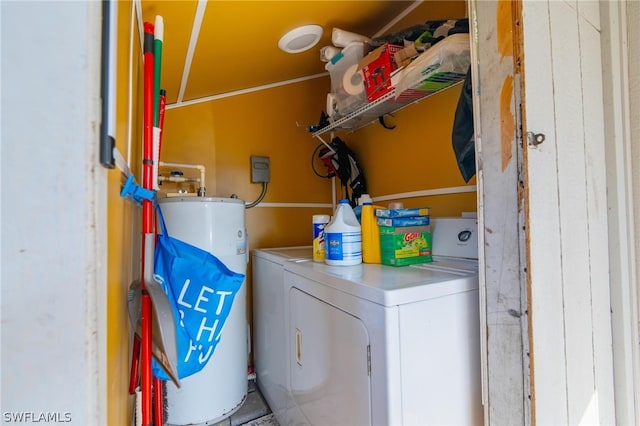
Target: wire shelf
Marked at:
388, 103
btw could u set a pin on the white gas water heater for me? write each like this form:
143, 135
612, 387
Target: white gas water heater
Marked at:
216, 225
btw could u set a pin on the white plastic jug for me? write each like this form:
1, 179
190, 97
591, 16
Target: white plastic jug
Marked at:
343, 237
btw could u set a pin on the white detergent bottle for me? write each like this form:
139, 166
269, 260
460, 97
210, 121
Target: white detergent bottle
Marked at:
343, 237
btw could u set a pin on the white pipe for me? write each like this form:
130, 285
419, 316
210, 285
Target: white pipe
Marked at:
427, 193
326, 144
398, 18
177, 179
181, 103
193, 40
199, 167
186, 166
333, 194
333, 182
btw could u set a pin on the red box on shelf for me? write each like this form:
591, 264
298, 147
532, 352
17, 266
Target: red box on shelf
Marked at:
376, 68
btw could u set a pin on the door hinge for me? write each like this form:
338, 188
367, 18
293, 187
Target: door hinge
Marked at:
368, 360
535, 139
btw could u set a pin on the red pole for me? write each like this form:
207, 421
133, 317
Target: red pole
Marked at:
147, 162
158, 401
146, 362
163, 104
135, 365
158, 385
147, 219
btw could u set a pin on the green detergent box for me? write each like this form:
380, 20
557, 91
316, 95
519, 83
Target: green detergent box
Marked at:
405, 245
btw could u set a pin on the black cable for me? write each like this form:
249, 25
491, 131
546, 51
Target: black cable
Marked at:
256, 202
313, 167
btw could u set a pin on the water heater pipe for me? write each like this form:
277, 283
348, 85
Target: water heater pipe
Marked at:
201, 189
177, 179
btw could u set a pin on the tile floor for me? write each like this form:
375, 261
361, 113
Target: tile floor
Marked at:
254, 411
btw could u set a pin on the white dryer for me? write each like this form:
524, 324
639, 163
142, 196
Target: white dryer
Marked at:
371, 344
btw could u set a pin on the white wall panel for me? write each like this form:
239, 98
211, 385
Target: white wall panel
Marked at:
596, 208
568, 241
549, 380
53, 215
624, 146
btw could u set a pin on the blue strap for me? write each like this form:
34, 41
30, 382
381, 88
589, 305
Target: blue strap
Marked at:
164, 238
161, 221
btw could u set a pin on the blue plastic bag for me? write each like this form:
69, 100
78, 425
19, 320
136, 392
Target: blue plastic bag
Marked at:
201, 290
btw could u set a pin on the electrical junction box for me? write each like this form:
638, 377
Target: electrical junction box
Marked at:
259, 169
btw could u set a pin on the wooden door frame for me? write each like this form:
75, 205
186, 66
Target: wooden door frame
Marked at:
503, 296
508, 388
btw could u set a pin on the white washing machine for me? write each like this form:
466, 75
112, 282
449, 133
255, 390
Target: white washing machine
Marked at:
371, 344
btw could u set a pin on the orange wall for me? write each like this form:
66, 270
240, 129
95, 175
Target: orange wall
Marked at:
123, 233
417, 155
223, 134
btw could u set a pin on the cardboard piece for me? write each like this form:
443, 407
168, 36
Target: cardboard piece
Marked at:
405, 56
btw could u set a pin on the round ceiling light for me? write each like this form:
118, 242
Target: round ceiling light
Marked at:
300, 39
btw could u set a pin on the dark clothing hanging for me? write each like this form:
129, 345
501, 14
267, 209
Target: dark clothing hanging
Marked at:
462, 134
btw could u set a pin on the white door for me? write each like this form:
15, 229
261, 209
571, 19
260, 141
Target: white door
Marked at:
329, 363
565, 192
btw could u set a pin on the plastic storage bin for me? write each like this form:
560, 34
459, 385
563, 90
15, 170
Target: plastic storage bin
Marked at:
347, 83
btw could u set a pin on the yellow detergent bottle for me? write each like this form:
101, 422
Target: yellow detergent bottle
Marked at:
370, 231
